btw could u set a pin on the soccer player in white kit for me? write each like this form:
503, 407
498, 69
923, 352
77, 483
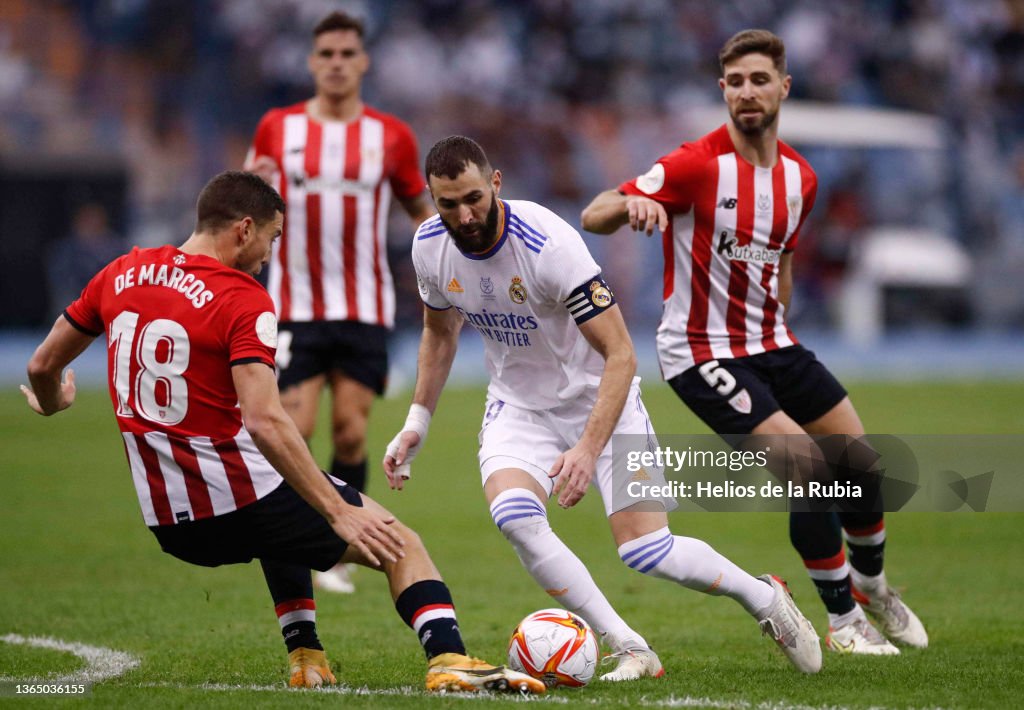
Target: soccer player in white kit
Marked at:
562, 382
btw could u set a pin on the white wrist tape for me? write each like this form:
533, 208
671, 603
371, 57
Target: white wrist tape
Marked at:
419, 422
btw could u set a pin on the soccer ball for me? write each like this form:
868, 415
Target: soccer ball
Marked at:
555, 646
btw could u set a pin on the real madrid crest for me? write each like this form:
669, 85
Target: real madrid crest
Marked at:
600, 295
517, 292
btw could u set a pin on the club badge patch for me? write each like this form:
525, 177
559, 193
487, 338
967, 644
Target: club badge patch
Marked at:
741, 401
517, 292
600, 296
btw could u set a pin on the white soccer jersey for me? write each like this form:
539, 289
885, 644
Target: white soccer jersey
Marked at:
524, 298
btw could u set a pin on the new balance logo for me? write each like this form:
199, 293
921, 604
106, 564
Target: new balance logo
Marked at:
728, 203
455, 287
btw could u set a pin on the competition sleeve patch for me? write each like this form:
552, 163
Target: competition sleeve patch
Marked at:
589, 299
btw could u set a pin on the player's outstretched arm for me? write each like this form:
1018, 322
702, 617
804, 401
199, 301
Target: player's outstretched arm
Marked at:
611, 209
49, 394
280, 442
438, 345
574, 469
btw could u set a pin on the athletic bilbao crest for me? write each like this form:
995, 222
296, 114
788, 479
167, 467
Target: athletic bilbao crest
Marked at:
741, 401
795, 205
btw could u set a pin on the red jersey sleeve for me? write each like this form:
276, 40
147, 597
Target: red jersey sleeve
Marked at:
672, 181
262, 143
251, 326
404, 162
84, 313
810, 192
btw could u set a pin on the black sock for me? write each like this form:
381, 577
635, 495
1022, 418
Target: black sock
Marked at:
291, 587
354, 474
817, 537
426, 607
865, 537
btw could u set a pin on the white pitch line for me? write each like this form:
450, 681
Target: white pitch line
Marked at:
363, 691
100, 663
104, 663
672, 701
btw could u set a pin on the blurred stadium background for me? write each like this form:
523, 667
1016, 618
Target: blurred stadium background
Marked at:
113, 113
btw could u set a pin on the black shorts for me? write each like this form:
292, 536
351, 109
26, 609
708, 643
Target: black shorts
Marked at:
733, 396
279, 526
360, 350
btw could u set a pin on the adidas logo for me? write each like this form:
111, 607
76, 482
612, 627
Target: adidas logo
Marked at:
455, 287
640, 475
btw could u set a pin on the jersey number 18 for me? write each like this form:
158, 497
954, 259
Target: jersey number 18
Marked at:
162, 353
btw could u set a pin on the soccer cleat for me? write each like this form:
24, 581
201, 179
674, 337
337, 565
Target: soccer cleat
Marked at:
893, 616
633, 664
790, 629
309, 669
337, 579
859, 637
453, 672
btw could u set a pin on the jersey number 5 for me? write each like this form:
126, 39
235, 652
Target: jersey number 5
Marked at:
717, 377
162, 352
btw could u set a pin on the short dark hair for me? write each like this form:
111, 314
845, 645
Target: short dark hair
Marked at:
339, 21
232, 195
452, 155
754, 42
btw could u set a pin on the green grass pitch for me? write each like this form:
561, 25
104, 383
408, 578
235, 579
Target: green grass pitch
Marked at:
76, 563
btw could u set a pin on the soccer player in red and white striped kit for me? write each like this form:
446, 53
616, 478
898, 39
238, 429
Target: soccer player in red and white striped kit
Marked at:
730, 207
221, 472
337, 163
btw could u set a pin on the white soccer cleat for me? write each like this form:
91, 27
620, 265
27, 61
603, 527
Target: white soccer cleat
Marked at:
337, 579
634, 664
790, 629
859, 637
893, 616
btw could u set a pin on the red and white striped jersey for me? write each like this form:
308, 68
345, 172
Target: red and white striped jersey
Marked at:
175, 324
336, 178
730, 222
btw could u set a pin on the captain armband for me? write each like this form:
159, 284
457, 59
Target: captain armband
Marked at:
589, 299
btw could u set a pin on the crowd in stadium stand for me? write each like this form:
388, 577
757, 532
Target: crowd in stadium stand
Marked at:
567, 96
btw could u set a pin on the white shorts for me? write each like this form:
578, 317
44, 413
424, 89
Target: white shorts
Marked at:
531, 441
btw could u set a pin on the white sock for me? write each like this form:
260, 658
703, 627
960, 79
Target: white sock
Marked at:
837, 620
868, 585
521, 517
695, 565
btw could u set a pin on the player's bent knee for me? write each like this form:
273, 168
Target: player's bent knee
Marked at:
519, 515
413, 541
348, 441
645, 552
